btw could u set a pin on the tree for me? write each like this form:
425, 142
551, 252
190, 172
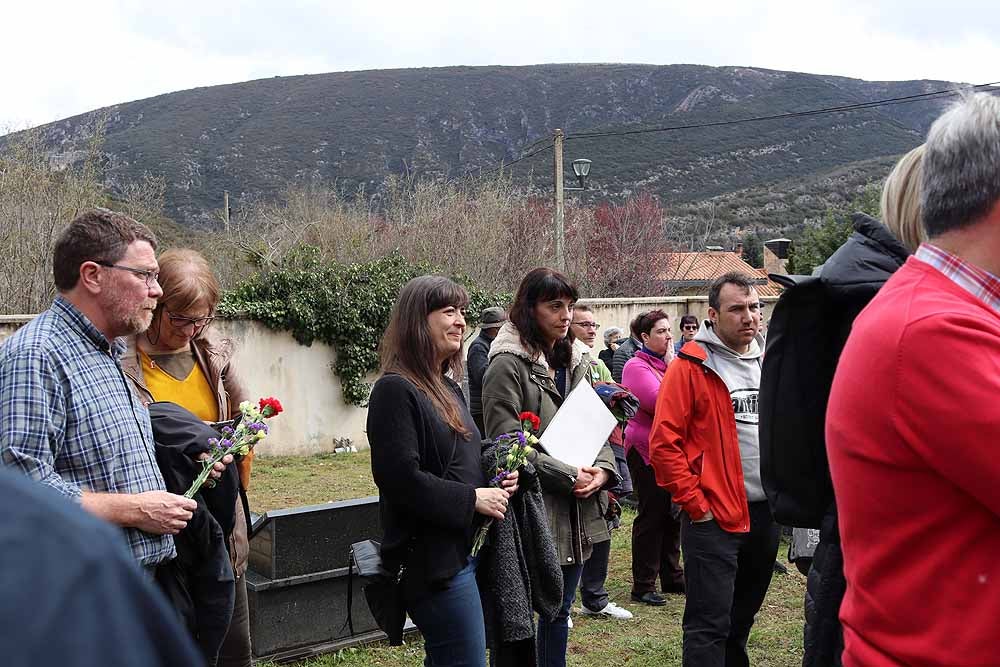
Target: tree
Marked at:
822, 240
818, 243
625, 248
753, 249
37, 201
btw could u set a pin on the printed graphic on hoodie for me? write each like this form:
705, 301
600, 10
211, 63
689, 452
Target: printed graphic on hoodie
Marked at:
745, 405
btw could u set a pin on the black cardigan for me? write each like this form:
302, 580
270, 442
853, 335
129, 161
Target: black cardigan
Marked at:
426, 506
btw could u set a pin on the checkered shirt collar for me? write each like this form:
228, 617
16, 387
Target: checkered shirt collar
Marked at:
976, 281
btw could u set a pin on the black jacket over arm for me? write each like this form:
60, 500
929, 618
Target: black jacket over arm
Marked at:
200, 581
427, 478
852, 276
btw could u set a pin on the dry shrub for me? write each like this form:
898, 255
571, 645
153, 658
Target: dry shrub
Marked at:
484, 229
37, 201
41, 193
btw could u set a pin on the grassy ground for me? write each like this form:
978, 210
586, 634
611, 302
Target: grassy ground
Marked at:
292, 481
652, 638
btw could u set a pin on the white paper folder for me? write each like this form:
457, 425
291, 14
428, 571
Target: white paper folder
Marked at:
580, 428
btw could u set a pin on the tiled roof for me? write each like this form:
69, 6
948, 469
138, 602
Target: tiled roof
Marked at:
691, 268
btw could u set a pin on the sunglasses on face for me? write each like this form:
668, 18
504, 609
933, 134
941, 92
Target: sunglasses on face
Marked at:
690, 327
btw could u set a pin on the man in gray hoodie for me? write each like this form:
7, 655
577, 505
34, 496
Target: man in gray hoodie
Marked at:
704, 449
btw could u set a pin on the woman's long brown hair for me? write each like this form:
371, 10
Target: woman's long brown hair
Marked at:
408, 350
538, 286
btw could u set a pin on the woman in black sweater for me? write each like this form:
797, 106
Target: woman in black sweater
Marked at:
426, 462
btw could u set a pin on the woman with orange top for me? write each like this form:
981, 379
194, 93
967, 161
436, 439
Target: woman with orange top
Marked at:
178, 359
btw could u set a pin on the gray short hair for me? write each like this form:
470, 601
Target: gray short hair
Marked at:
610, 333
961, 165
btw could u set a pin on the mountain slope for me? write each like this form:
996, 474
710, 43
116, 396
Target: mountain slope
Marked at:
355, 128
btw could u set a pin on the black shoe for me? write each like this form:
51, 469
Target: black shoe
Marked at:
652, 598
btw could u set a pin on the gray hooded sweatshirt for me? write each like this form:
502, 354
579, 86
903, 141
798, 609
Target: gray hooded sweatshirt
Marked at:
741, 374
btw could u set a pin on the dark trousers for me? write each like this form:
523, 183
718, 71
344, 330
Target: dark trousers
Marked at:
656, 534
235, 650
480, 424
727, 576
823, 637
593, 594
553, 635
451, 621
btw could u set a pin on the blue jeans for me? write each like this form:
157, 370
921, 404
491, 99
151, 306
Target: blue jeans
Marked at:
593, 593
553, 635
451, 621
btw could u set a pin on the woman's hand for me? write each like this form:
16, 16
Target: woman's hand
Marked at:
584, 477
217, 469
598, 478
491, 502
509, 484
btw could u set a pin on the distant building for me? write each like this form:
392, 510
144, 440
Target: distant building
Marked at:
776, 255
691, 273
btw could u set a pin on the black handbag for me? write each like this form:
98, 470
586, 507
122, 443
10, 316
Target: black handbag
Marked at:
383, 590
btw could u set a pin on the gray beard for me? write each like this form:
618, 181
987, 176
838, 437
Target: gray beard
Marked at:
135, 325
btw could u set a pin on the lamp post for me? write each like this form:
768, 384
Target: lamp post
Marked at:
581, 168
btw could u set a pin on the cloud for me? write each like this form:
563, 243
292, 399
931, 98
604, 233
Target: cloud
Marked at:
67, 58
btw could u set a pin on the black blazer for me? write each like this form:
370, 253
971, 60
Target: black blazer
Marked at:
427, 478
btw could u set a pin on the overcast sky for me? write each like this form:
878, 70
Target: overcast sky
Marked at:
58, 59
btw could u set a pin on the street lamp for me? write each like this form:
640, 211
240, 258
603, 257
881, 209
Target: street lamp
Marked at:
581, 168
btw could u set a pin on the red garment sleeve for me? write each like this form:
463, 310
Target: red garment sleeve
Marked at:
674, 410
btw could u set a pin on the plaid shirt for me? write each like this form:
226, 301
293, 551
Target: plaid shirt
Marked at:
69, 419
979, 283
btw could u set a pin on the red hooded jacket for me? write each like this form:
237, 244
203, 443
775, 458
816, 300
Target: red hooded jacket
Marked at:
693, 444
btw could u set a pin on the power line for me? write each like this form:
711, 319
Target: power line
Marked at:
938, 94
503, 165
905, 99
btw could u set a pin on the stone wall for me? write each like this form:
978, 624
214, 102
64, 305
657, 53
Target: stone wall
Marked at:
316, 419
619, 312
272, 363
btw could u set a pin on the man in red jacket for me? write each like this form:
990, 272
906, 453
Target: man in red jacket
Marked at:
913, 422
704, 450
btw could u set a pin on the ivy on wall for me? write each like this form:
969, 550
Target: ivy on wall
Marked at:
346, 306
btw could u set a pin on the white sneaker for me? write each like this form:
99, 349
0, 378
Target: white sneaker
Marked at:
611, 610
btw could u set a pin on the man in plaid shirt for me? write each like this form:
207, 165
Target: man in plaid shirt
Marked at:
68, 417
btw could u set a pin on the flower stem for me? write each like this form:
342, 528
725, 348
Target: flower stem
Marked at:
207, 464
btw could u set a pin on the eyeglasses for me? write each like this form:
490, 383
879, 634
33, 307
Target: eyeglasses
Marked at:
181, 321
588, 325
148, 275
690, 327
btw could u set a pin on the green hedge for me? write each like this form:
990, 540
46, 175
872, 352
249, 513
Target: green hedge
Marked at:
346, 306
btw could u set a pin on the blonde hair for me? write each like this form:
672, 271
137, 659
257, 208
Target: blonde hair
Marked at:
187, 280
900, 204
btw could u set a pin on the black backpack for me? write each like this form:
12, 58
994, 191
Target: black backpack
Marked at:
803, 345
